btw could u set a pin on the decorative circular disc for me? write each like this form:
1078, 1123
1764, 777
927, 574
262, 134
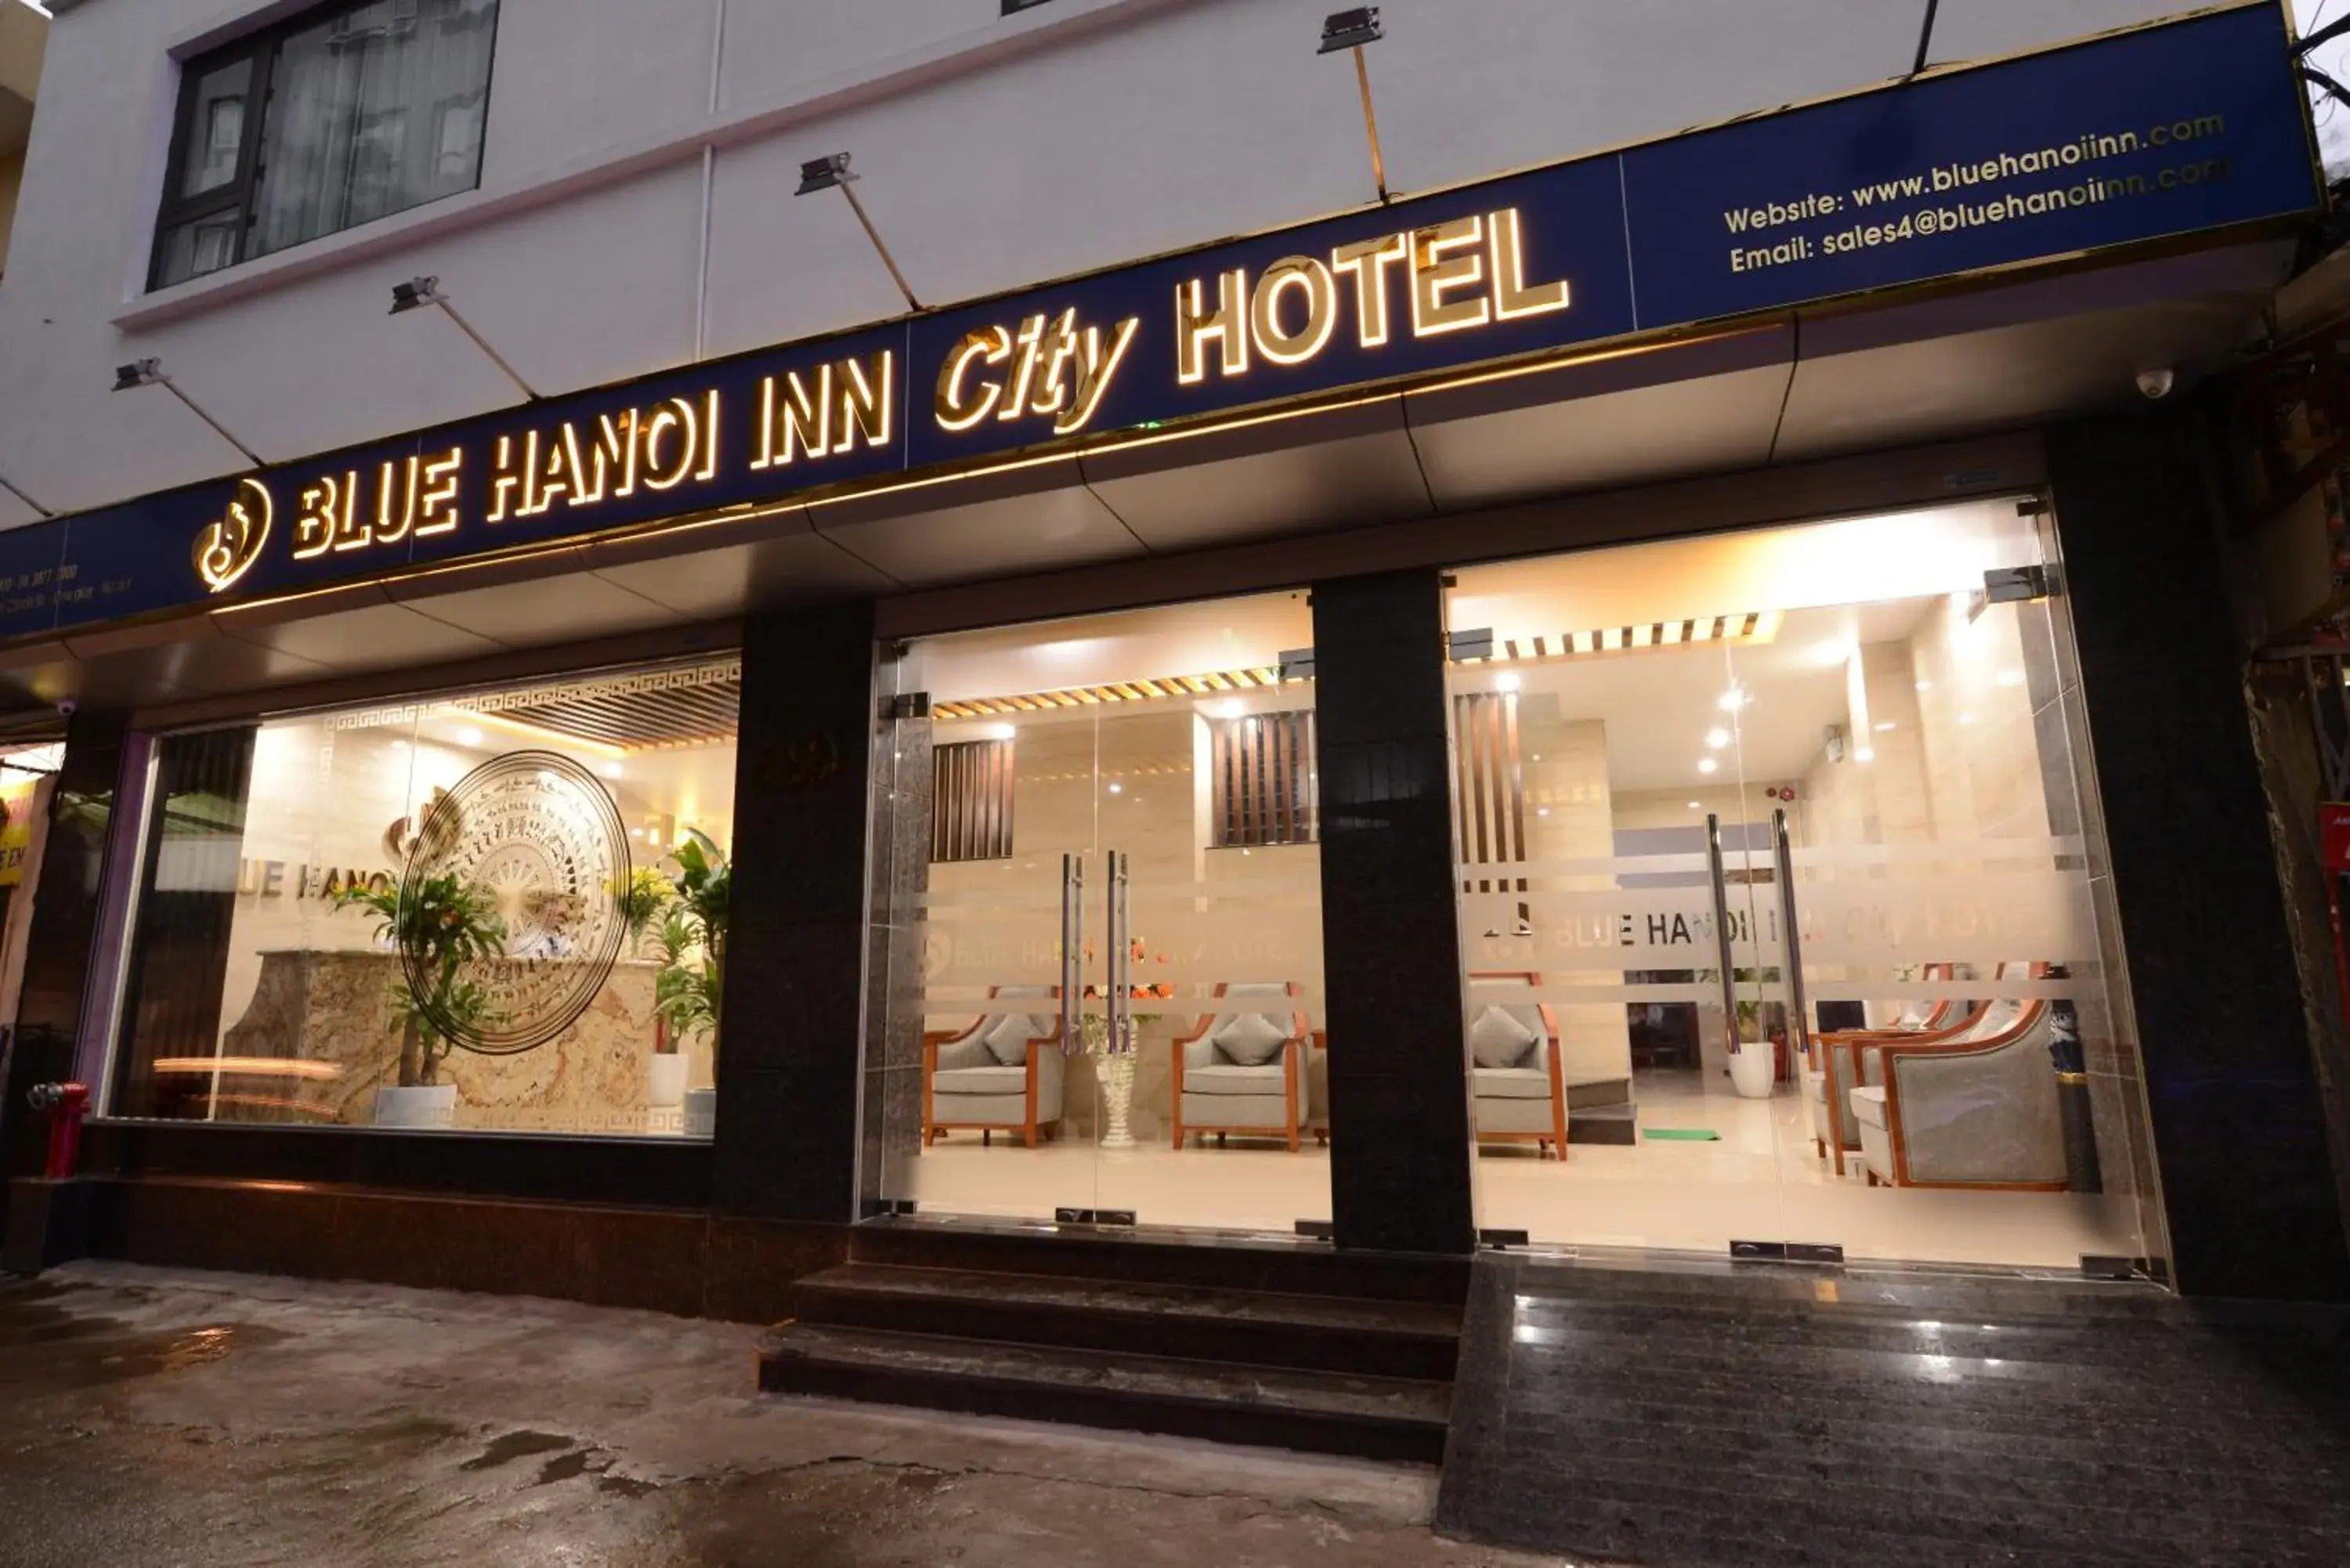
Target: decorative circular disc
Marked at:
539, 835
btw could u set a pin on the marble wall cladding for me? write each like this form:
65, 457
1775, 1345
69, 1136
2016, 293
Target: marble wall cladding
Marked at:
329, 1016
889, 1133
2251, 1191
1399, 1107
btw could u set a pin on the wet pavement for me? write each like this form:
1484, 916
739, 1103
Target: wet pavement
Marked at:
160, 1417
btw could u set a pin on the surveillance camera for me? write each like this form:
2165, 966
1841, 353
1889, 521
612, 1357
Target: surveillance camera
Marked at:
67, 707
2156, 384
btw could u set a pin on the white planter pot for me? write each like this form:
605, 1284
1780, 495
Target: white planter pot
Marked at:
700, 1112
1751, 1068
434, 1105
665, 1080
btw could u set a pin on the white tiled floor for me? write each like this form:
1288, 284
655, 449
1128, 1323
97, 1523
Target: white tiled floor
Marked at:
1759, 1182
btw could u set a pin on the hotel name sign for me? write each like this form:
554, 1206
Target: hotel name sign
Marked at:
2190, 126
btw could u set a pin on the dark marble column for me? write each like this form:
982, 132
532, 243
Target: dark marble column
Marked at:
1399, 1141
66, 909
2240, 1135
892, 1128
787, 1128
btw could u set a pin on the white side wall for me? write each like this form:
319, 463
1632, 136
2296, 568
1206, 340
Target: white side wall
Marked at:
996, 152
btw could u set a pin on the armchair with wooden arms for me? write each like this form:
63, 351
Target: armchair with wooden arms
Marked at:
1243, 1072
1834, 1066
1003, 1072
1517, 1075
1977, 1111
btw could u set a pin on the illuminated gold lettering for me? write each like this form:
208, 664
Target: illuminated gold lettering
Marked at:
1015, 398
542, 486
437, 506
1053, 385
1511, 297
388, 479
678, 415
1227, 324
1436, 272
1367, 261
803, 420
1310, 277
955, 410
619, 445
314, 525
591, 470
350, 534
1100, 369
710, 428
506, 480
865, 403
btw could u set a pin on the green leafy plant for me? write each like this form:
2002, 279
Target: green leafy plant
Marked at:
684, 998
640, 900
441, 923
689, 993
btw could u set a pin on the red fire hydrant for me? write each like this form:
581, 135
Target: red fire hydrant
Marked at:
65, 1104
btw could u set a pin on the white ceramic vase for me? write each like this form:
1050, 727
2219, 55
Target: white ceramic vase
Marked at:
1753, 1069
700, 1112
433, 1106
1116, 1076
665, 1080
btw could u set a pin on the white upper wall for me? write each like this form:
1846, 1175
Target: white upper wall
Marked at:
996, 152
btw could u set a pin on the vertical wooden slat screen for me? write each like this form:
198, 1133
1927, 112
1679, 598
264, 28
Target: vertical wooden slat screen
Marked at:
1263, 781
1490, 796
971, 801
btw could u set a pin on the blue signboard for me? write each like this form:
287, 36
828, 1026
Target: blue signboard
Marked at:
2189, 127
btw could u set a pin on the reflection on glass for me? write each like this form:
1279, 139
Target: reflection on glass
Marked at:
500, 910
216, 135
1672, 746
1118, 922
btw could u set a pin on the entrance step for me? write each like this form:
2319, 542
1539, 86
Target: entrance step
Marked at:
1414, 1340
1603, 1124
1317, 1411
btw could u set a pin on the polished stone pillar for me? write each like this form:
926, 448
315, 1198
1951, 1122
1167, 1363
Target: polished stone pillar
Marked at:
2240, 1133
788, 1068
1399, 1138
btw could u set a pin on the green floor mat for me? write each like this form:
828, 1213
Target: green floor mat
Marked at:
1682, 1135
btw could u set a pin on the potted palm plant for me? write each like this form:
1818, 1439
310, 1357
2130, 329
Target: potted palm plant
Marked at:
691, 992
646, 903
440, 923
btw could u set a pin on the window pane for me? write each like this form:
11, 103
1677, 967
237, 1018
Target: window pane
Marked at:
373, 112
491, 911
205, 245
216, 133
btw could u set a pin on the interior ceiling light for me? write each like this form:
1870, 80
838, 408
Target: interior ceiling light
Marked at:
1706, 764
1731, 700
1156, 688
1749, 627
1717, 739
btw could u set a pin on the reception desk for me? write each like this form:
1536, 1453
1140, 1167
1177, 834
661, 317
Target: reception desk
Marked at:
319, 1038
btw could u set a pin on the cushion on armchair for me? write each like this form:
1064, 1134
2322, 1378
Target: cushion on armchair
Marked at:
1252, 1039
1007, 1038
1498, 1039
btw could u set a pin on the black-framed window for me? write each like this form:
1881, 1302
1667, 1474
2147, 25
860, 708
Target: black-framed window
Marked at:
1012, 5
339, 116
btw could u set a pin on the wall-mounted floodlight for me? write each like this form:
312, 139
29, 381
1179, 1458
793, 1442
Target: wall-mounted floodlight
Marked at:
423, 292
150, 373
1350, 30
831, 173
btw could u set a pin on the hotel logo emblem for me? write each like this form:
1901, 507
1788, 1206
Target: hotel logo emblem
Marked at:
226, 549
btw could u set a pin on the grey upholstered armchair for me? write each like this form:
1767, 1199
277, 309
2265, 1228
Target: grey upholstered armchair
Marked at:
1516, 1076
1834, 1064
1003, 1073
1979, 1111
1243, 1072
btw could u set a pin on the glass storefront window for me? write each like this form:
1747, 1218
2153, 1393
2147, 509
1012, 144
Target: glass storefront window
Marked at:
484, 911
1775, 891
1106, 988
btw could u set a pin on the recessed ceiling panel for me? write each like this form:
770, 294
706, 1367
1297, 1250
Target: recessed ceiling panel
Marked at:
1032, 519
380, 636
571, 605
783, 565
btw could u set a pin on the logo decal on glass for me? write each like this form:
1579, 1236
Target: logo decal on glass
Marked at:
541, 837
225, 550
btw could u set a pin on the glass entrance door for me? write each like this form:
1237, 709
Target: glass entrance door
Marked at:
1785, 839
1111, 932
